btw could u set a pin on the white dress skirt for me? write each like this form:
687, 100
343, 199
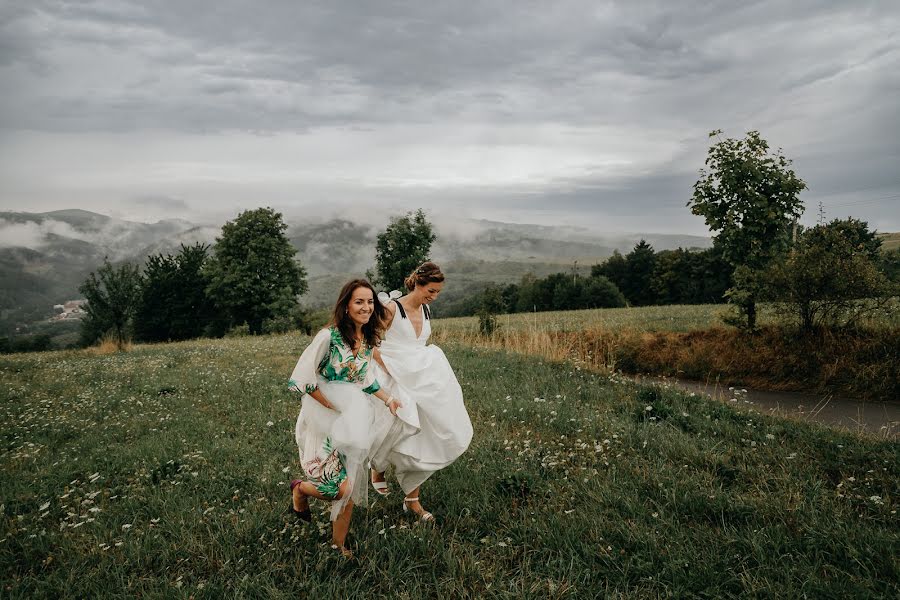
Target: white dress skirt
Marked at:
433, 428
334, 444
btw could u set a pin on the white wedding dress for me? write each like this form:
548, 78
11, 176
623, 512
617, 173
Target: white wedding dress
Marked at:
433, 428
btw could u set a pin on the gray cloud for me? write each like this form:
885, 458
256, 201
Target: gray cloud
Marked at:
600, 108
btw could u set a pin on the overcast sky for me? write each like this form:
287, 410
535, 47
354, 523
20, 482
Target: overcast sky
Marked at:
592, 113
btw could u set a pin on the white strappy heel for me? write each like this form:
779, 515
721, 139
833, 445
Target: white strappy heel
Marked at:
380, 486
425, 517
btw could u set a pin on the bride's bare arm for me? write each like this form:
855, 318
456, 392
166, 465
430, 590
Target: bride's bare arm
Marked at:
391, 310
376, 354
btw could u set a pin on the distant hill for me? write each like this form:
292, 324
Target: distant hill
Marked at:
44, 257
889, 241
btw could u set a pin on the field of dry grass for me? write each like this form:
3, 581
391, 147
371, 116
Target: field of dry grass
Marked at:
690, 342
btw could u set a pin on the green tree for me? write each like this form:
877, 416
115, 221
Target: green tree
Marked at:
639, 266
749, 196
253, 275
671, 281
174, 304
846, 232
613, 268
828, 280
690, 277
889, 263
400, 248
510, 295
491, 305
527, 297
600, 292
112, 296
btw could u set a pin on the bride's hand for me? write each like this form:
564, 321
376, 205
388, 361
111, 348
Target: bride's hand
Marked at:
393, 406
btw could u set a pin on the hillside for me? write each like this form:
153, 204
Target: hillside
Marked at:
163, 472
44, 257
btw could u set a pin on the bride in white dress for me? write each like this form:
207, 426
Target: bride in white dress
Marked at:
433, 428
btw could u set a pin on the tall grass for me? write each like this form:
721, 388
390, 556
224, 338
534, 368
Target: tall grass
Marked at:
689, 342
674, 318
645, 318
163, 472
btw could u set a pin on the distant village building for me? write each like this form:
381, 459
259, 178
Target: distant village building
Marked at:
72, 309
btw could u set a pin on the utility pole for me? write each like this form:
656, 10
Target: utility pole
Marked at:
821, 213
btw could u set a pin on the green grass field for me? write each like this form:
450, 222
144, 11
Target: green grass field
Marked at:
163, 472
889, 241
644, 318
674, 317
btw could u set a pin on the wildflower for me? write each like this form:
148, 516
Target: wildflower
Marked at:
44, 506
269, 424
876, 500
648, 408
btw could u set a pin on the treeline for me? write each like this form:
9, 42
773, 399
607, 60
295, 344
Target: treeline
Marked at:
681, 276
640, 278
823, 279
248, 282
26, 343
249, 279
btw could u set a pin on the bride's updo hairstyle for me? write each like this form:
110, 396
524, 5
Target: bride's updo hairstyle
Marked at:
426, 273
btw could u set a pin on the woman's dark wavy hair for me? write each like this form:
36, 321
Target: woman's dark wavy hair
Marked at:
426, 273
373, 330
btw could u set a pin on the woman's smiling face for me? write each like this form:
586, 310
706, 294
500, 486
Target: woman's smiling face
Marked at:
430, 291
362, 305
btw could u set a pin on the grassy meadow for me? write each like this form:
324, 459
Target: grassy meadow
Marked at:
163, 472
677, 318
691, 342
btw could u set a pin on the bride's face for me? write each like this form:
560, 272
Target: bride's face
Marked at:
430, 291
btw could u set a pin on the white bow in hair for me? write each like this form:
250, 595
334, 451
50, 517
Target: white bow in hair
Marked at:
384, 297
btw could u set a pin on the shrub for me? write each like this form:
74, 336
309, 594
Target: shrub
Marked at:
827, 281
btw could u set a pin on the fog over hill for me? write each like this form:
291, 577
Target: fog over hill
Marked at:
45, 256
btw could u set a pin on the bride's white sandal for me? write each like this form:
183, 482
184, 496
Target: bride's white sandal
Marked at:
380, 486
425, 517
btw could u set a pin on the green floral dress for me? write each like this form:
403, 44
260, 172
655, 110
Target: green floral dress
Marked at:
328, 363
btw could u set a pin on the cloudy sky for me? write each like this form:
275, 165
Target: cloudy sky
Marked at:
592, 113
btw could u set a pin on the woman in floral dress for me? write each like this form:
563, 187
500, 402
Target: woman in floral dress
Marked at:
334, 428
